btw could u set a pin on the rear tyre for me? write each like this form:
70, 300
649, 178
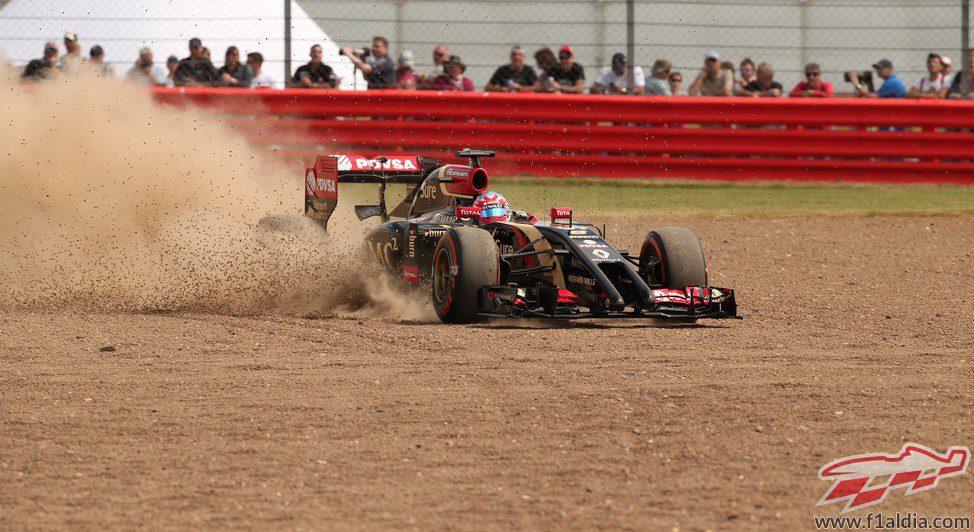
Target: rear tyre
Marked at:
465, 260
673, 258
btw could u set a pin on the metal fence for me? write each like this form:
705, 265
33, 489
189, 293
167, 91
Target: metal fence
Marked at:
840, 35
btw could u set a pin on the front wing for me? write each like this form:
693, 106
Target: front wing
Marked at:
693, 302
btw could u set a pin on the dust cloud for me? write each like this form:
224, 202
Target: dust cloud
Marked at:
111, 202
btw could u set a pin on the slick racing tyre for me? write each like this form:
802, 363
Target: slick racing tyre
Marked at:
466, 259
673, 257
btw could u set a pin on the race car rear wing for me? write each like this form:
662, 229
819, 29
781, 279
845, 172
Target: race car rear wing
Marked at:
321, 180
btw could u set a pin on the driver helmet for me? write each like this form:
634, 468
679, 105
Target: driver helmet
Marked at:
493, 207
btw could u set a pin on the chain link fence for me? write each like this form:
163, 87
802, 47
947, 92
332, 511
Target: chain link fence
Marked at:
840, 35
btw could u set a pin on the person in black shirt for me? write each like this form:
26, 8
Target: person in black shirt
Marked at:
315, 74
764, 84
380, 70
514, 77
568, 76
43, 68
195, 70
232, 73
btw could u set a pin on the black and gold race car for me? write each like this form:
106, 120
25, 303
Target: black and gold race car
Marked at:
518, 268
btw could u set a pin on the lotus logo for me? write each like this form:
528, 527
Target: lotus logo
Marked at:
344, 163
917, 468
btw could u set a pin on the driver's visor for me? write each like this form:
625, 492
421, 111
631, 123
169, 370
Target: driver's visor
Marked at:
496, 212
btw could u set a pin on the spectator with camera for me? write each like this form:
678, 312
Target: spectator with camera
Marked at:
962, 86
712, 79
261, 79
813, 86
935, 84
764, 84
514, 77
195, 70
892, 86
233, 73
657, 83
380, 70
615, 79
452, 78
315, 74
145, 72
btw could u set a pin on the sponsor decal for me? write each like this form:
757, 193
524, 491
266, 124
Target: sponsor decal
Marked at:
589, 243
865, 480
600, 253
457, 171
579, 233
468, 212
506, 249
428, 193
436, 233
348, 163
411, 274
579, 279
310, 183
344, 163
560, 213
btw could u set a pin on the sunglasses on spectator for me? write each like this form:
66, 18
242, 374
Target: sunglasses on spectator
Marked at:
564, 56
676, 79
811, 74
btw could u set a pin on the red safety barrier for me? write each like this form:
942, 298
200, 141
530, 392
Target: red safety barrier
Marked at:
616, 136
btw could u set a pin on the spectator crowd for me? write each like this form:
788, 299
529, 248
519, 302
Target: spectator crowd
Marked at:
554, 73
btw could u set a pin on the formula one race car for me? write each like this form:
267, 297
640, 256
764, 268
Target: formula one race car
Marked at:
481, 262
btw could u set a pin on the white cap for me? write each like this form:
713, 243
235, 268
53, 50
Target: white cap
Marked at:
712, 55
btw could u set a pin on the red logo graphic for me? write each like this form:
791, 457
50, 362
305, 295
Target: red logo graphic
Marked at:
865, 479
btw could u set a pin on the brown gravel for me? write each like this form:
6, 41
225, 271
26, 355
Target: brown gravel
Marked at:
857, 338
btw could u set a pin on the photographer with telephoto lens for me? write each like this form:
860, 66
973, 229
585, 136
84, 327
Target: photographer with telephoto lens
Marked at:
892, 86
380, 71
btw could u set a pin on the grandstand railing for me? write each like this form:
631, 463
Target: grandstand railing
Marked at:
616, 136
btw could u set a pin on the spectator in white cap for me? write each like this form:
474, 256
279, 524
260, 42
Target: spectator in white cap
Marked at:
406, 71
712, 80
71, 61
145, 72
948, 69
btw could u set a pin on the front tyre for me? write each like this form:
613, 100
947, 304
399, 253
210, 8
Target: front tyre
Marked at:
465, 260
672, 257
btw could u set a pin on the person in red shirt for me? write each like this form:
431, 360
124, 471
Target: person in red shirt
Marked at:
813, 86
453, 79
